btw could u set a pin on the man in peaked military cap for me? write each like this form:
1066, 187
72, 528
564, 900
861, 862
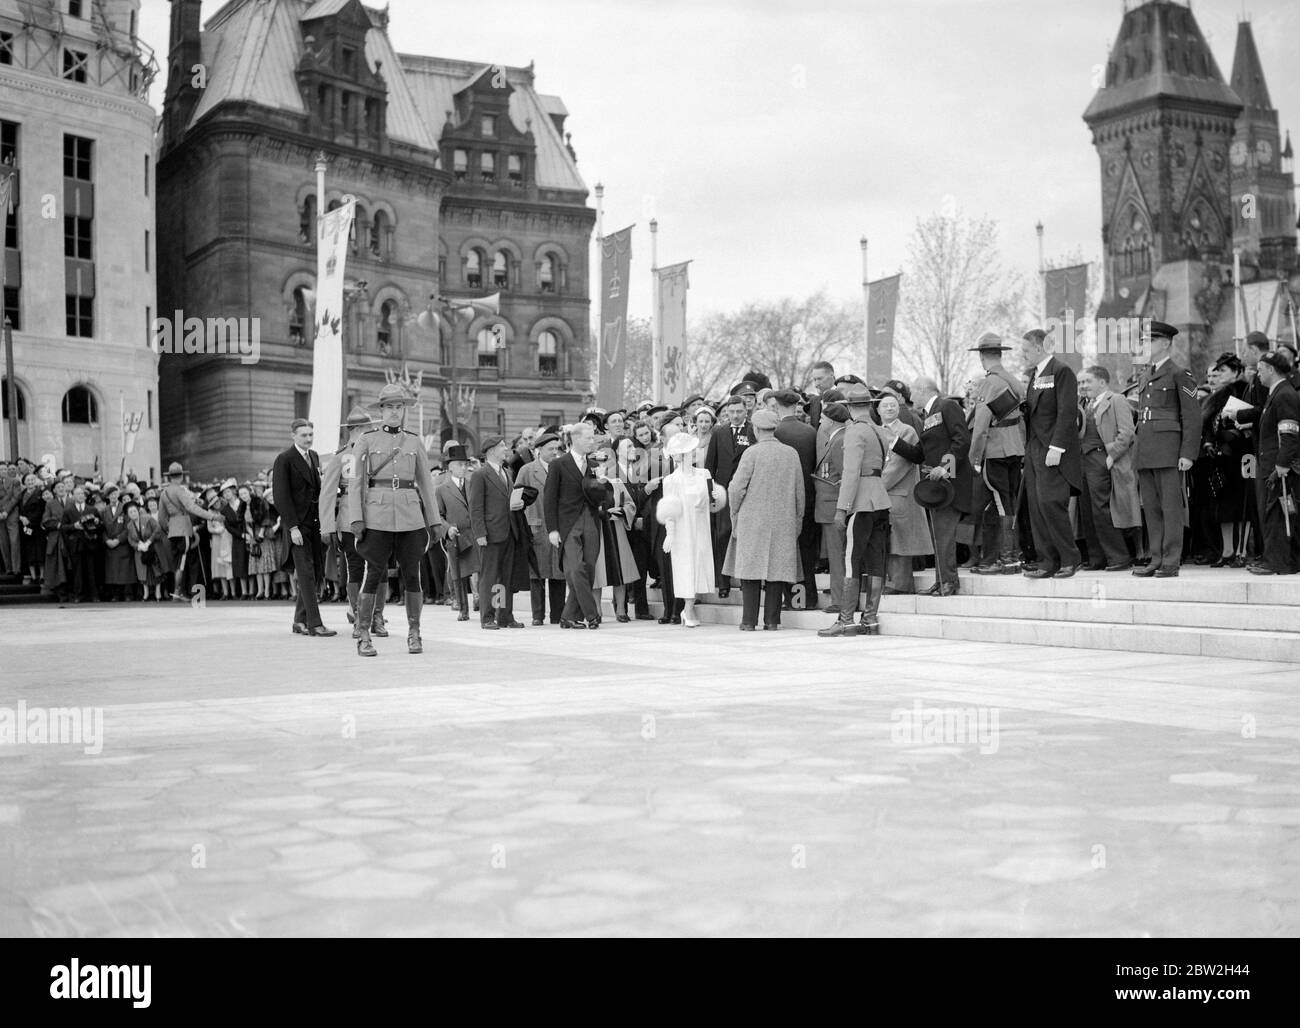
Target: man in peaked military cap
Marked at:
336, 472
1168, 438
393, 512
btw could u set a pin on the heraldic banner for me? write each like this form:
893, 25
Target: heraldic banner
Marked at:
882, 307
615, 262
327, 361
1065, 295
673, 284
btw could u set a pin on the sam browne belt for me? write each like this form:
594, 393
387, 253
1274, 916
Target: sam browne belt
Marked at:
392, 483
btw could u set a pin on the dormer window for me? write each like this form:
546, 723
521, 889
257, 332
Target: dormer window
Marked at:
460, 164
515, 169
489, 125
488, 167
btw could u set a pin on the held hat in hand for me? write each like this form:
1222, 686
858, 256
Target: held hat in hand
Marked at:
932, 493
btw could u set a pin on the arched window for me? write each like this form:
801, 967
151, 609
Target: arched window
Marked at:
490, 340
4, 401
386, 334
548, 274
500, 270
360, 228
79, 407
548, 354
379, 234
488, 167
300, 317
474, 269
307, 221
459, 164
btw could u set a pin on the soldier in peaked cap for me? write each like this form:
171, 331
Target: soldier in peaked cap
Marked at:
1168, 438
393, 512
997, 452
336, 472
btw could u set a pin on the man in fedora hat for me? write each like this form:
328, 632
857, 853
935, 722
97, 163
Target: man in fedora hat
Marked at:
175, 505
575, 499
997, 453
1053, 461
802, 438
1168, 439
492, 499
945, 445
393, 512
547, 578
453, 507
336, 472
296, 478
727, 443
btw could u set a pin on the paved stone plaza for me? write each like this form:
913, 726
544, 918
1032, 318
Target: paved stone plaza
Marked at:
639, 780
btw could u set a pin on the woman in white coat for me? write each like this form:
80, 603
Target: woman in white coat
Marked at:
689, 495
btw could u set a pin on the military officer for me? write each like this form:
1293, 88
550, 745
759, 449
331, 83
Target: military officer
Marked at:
336, 471
997, 453
1168, 438
393, 512
1279, 467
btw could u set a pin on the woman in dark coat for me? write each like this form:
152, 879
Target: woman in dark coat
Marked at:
119, 565
232, 513
141, 533
56, 553
1218, 488
31, 509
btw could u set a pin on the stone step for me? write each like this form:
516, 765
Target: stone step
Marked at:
1273, 645
1193, 585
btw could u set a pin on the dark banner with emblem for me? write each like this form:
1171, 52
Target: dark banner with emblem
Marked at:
882, 308
1065, 295
615, 263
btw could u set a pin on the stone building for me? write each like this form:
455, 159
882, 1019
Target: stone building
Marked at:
77, 132
466, 187
1191, 169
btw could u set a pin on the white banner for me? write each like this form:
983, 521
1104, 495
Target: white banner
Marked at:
1264, 304
327, 364
673, 283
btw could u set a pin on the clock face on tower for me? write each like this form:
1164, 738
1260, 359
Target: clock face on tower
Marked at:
1264, 151
1238, 152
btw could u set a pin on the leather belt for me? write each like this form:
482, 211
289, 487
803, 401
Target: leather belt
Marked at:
1171, 418
392, 483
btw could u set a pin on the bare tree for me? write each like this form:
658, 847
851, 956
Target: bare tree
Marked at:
955, 289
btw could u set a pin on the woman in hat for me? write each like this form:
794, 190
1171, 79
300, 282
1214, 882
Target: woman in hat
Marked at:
232, 514
702, 425
120, 576
1218, 491
689, 494
262, 556
617, 564
31, 506
909, 532
140, 533
161, 565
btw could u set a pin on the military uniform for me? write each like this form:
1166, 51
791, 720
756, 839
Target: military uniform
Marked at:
1168, 429
391, 499
1279, 447
335, 475
997, 447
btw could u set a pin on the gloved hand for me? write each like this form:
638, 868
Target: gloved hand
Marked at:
358, 530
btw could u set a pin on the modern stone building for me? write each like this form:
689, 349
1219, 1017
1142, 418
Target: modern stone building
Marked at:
77, 131
466, 187
1191, 169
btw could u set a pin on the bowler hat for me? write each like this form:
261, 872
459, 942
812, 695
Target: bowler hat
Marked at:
456, 451
931, 493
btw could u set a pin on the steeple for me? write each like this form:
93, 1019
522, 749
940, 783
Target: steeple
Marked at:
1248, 72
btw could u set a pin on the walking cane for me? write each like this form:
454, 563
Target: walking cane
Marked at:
934, 544
1286, 507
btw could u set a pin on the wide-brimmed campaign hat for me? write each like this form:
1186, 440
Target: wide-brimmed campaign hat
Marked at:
680, 444
393, 393
934, 492
989, 342
859, 396
358, 417
174, 470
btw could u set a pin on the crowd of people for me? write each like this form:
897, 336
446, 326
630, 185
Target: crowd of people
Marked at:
1046, 475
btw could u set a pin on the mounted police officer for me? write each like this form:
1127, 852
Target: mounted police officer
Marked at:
997, 454
393, 512
336, 472
1168, 439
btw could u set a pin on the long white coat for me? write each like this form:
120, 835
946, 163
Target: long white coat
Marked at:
684, 510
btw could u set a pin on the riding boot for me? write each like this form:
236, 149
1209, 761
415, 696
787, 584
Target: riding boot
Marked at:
354, 590
1010, 549
537, 594
377, 626
414, 601
869, 625
365, 615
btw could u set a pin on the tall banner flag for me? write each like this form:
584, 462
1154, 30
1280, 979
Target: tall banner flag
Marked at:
882, 307
327, 362
1065, 297
673, 284
615, 264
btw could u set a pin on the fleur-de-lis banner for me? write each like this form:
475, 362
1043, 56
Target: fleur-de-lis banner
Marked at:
1065, 293
327, 361
615, 262
882, 306
673, 284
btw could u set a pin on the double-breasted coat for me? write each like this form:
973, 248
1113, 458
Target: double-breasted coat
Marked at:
767, 498
119, 567
1114, 419
453, 508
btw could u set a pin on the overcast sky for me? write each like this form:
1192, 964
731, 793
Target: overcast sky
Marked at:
768, 137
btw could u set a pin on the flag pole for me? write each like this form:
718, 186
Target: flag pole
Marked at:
866, 314
600, 288
1239, 329
11, 386
1042, 272
656, 348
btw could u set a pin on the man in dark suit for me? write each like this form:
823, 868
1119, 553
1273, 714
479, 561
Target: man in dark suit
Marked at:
1279, 467
490, 505
82, 529
803, 438
453, 505
945, 442
296, 484
822, 378
1168, 440
574, 503
728, 441
1053, 460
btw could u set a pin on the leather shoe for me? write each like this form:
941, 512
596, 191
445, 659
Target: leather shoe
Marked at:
950, 589
463, 616
830, 609
1067, 572
299, 628
321, 631
1119, 567
747, 628
724, 593
622, 619
1041, 573
645, 617
1167, 573
770, 628
514, 624
538, 622
565, 623
839, 629
1144, 572
593, 624
491, 626
1260, 569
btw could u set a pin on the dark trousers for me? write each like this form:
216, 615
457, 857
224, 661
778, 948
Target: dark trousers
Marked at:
354, 563
1279, 553
1162, 505
581, 550
993, 498
1096, 494
809, 546
720, 525
81, 568
541, 590
636, 592
306, 569
943, 521
749, 589
495, 569
378, 548
1048, 493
